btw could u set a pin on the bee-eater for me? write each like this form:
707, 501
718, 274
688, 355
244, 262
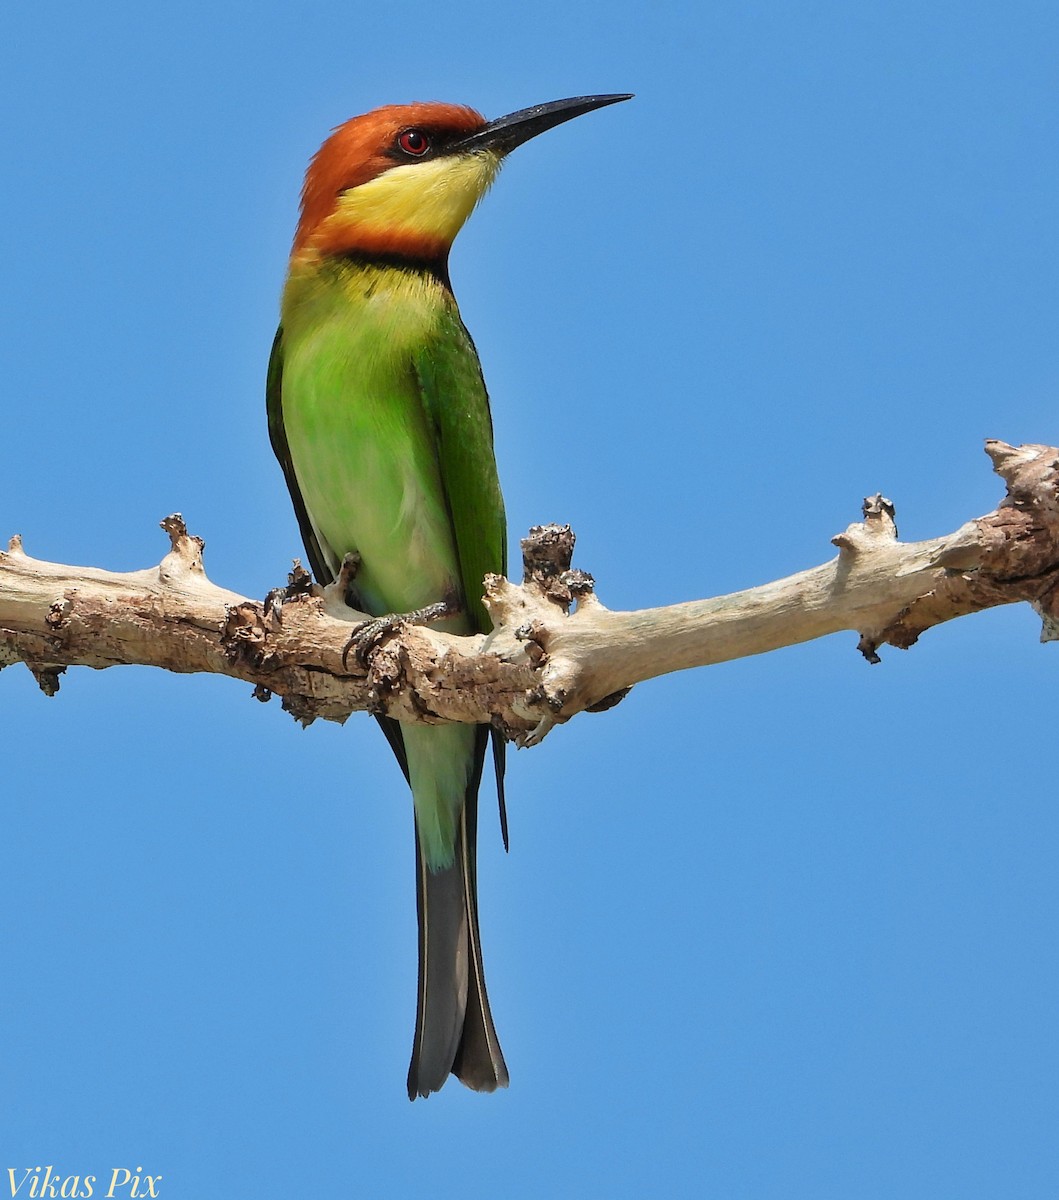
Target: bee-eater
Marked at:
378, 414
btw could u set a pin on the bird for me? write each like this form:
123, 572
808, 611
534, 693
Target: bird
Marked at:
379, 416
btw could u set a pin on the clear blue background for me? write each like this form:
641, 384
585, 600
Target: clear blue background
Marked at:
783, 928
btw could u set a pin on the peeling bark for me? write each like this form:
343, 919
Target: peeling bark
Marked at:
555, 649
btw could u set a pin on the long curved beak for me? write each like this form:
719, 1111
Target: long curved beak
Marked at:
505, 133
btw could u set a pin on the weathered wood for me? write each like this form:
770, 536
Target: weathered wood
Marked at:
555, 650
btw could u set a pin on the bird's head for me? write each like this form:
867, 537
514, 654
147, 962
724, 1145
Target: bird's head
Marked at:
402, 180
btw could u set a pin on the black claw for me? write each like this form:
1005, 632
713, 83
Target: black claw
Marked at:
369, 635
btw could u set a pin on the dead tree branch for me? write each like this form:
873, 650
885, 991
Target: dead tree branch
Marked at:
555, 650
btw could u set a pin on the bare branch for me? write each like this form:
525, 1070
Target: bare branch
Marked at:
555, 650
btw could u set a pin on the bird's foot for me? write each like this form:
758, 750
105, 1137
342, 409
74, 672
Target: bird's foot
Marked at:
369, 635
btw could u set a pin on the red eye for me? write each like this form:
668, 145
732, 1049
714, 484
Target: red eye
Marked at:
414, 141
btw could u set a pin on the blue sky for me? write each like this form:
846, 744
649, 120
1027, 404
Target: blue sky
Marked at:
783, 928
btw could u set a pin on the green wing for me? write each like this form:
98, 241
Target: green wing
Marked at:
455, 401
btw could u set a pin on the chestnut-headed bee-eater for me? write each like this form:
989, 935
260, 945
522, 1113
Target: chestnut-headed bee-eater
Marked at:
378, 414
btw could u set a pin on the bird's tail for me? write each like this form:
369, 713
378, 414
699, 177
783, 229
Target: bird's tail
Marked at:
454, 1027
